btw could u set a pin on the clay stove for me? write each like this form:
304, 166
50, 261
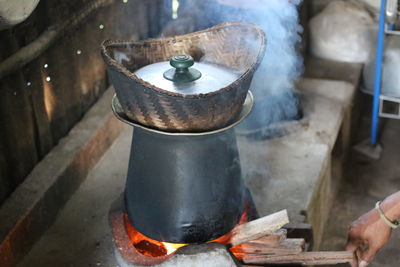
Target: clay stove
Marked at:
261, 241
134, 249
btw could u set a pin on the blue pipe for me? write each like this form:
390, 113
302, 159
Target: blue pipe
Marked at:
378, 74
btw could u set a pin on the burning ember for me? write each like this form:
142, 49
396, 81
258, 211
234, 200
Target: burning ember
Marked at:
153, 248
147, 246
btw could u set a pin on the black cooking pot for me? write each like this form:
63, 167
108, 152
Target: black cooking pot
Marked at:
184, 187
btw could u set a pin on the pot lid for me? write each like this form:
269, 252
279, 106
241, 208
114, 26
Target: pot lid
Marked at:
202, 78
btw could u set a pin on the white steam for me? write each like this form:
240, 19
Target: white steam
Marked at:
273, 83
281, 64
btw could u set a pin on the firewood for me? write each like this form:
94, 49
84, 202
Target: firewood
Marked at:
272, 239
304, 258
286, 247
259, 228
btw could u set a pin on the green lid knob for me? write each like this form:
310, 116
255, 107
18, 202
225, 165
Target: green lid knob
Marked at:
181, 61
181, 72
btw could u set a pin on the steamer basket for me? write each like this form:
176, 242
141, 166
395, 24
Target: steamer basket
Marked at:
239, 46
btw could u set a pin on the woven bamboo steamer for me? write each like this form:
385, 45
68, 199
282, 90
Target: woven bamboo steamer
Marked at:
237, 45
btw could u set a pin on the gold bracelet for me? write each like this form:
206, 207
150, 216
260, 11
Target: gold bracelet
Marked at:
393, 225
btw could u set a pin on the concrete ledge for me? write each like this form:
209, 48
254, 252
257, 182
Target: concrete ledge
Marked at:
33, 207
318, 68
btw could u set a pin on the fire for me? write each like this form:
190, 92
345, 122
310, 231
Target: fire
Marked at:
225, 239
153, 248
148, 246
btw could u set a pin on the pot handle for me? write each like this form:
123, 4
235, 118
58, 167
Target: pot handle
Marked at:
181, 72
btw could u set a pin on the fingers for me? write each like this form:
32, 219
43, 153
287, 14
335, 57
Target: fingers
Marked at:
354, 262
363, 255
352, 245
353, 240
367, 256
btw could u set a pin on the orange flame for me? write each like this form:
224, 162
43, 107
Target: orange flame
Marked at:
226, 239
153, 248
147, 246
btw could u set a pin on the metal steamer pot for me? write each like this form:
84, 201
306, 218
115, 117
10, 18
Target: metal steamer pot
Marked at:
184, 182
184, 187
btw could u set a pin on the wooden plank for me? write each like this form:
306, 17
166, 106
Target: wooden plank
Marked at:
304, 258
259, 228
54, 180
4, 182
33, 118
44, 138
61, 92
286, 247
272, 239
17, 128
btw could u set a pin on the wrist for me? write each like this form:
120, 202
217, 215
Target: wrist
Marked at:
394, 224
391, 207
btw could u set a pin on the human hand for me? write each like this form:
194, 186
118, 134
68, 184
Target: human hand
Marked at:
366, 236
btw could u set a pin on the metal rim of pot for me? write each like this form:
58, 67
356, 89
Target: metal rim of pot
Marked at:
119, 113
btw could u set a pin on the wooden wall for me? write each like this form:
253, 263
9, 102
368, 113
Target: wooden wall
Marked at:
35, 113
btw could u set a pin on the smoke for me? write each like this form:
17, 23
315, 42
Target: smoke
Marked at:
282, 65
273, 83
276, 99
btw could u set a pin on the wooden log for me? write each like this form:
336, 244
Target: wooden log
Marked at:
259, 228
304, 258
286, 247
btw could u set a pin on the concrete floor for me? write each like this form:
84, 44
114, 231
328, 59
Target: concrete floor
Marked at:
366, 182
